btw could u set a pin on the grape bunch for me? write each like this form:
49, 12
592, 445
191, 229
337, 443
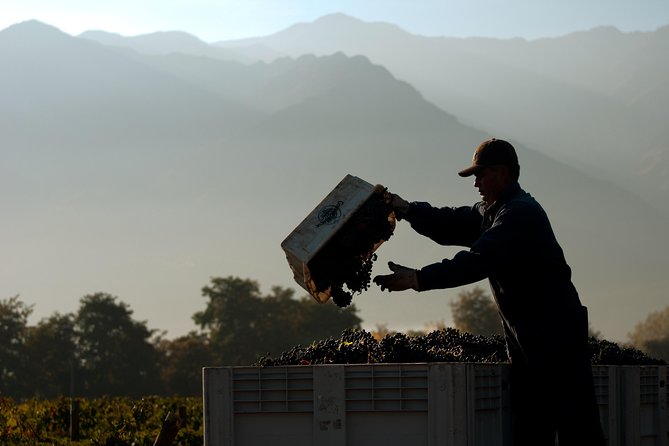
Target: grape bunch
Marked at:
446, 345
344, 264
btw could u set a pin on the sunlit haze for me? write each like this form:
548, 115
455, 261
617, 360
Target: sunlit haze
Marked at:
214, 20
144, 167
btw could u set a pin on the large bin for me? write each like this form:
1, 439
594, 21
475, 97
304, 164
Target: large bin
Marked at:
430, 404
314, 233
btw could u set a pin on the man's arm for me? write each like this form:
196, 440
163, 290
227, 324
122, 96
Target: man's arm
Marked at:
494, 248
459, 226
464, 268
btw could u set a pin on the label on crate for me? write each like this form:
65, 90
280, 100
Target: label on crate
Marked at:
330, 214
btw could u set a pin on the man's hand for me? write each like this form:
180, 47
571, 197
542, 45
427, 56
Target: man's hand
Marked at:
402, 279
400, 206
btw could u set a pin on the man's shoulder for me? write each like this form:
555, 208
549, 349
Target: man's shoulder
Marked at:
523, 202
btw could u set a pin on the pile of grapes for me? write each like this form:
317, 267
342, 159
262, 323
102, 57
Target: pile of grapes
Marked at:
344, 264
360, 347
447, 345
610, 353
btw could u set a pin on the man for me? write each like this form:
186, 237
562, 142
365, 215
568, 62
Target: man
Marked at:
511, 243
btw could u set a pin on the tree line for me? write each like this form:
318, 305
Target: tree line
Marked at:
102, 350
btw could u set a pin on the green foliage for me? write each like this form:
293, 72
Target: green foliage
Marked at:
183, 358
51, 347
242, 324
102, 421
13, 319
116, 356
475, 312
652, 335
102, 350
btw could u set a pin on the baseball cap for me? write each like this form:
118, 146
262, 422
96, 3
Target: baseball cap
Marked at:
492, 152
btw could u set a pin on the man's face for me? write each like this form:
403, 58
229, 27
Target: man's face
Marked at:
491, 182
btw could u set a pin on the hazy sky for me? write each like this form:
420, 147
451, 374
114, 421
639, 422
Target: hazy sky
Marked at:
191, 258
214, 20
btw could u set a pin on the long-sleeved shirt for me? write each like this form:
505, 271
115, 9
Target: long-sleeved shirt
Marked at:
513, 245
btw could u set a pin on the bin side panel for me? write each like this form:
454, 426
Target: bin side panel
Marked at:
272, 389
630, 404
664, 406
605, 380
648, 406
447, 414
329, 420
387, 387
218, 415
386, 428
273, 429
490, 399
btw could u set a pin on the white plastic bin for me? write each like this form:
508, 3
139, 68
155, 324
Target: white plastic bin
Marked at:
458, 404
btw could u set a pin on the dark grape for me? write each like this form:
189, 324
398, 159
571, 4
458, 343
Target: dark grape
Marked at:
446, 345
341, 297
610, 353
344, 264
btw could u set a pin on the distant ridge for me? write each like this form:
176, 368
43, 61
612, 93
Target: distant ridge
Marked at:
34, 30
164, 42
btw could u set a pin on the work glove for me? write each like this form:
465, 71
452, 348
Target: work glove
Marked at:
399, 205
402, 278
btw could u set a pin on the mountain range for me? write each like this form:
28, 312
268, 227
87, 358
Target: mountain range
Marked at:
595, 99
144, 166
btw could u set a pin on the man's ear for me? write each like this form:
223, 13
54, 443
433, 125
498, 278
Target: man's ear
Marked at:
504, 172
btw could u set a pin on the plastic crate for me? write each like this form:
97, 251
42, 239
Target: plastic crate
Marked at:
608, 399
304, 243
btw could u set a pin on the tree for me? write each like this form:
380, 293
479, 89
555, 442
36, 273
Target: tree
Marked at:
13, 326
230, 318
51, 348
115, 351
652, 335
475, 312
182, 362
242, 324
